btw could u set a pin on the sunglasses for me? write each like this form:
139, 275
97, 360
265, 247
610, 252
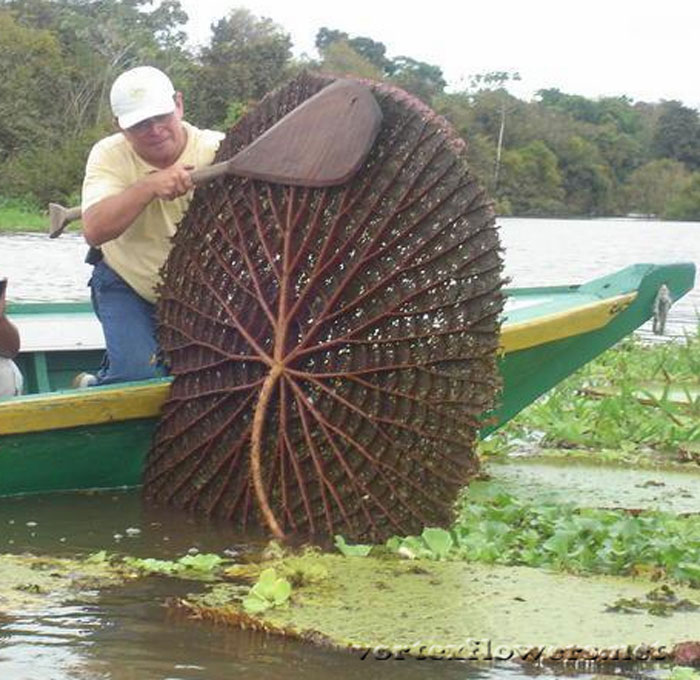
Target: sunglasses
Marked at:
145, 125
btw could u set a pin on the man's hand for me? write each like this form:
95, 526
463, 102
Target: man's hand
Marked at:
171, 182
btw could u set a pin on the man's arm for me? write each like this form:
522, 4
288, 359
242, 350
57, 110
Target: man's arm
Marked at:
9, 336
112, 216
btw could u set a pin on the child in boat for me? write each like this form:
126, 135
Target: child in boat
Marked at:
10, 377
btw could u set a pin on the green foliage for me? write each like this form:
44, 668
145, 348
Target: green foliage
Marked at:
340, 59
48, 173
97, 41
496, 528
366, 58
246, 58
684, 200
684, 673
615, 111
587, 179
327, 36
235, 111
438, 541
491, 78
621, 151
101, 557
58, 59
562, 154
531, 181
677, 134
421, 79
567, 417
30, 88
432, 544
151, 565
269, 591
652, 188
370, 50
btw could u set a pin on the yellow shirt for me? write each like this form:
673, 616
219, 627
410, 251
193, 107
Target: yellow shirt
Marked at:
140, 252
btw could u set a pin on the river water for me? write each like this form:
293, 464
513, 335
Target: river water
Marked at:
537, 252
128, 633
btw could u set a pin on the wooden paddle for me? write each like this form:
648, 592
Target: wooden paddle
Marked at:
322, 142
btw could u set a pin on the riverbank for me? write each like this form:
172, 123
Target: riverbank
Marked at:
19, 216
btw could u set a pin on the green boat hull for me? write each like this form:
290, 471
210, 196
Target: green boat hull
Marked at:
544, 337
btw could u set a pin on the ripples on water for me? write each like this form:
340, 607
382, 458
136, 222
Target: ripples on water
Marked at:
127, 634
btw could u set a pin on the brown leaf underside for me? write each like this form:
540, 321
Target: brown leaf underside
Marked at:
332, 348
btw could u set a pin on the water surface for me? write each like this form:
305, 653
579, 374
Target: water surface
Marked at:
537, 252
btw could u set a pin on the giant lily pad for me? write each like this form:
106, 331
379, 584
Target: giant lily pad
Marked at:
454, 608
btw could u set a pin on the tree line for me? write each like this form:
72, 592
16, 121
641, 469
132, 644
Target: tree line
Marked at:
559, 154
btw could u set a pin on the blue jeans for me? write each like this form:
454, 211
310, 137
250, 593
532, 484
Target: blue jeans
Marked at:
129, 325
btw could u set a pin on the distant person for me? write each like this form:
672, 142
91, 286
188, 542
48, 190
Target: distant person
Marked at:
10, 377
136, 189
662, 305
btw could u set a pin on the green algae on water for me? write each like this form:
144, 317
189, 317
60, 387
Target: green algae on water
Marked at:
591, 484
29, 582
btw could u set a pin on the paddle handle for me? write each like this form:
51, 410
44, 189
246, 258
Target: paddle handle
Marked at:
60, 217
211, 172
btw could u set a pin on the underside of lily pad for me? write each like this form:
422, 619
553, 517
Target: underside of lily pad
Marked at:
334, 348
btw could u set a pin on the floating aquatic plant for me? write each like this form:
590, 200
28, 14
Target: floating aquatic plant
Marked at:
633, 399
270, 590
495, 527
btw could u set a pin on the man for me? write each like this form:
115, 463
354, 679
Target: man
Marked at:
10, 377
136, 189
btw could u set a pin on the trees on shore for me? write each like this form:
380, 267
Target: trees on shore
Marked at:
560, 154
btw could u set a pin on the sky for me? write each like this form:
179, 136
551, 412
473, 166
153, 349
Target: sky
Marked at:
647, 51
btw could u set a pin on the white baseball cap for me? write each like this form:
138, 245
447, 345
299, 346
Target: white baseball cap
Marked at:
140, 93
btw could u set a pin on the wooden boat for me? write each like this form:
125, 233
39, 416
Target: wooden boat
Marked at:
57, 438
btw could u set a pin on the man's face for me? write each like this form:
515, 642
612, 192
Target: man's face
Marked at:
159, 140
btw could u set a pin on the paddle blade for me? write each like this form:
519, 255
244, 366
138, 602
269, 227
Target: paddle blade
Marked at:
60, 217
323, 142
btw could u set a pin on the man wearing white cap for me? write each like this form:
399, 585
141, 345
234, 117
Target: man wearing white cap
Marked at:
136, 189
